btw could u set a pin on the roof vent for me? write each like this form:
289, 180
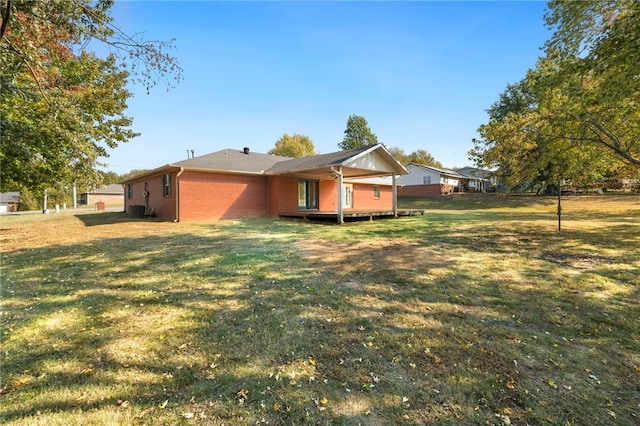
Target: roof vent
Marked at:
246, 150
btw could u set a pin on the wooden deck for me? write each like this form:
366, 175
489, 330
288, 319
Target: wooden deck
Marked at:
348, 215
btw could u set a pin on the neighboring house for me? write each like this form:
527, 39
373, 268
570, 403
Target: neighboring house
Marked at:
427, 181
478, 180
238, 183
9, 201
111, 194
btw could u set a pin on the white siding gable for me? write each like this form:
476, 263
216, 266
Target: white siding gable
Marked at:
371, 161
417, 176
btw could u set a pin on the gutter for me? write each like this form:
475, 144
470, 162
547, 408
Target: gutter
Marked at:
177, 219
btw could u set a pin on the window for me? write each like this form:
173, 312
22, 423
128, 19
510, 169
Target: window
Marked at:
129, 191
376, 192
307, 194
166, 184
426, 180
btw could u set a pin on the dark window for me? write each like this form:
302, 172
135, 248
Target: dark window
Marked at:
307, 194
376, 192
129, 191
166, 184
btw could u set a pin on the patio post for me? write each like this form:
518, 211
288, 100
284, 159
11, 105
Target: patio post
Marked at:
394, 190
340, 196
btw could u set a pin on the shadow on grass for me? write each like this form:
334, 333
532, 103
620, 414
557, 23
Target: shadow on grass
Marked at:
111, 218
235, 325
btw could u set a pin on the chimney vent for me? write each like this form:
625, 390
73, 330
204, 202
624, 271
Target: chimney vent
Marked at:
246, 150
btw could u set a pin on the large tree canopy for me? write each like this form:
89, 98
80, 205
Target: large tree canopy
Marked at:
577, 114
62, 105
295, 146
357, 134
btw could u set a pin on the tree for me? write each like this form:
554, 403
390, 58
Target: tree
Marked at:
61, 105
357, 134
419, 156
596, 52
399, 154
295, 146
109, 177
132, 173
577, 114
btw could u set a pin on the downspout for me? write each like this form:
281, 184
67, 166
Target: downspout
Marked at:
124, 190
177, 219
338, 172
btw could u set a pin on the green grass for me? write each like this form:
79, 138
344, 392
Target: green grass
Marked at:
478, 312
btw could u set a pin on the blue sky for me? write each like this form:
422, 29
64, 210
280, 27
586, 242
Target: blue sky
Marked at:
421, 73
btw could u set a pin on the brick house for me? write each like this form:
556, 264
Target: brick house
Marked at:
233, 183
427, 181
111, 194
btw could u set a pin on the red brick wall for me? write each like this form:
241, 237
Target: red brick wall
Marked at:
432, 190
212, 196
165, 207
363, 197
328, 196
283, 194
222, 196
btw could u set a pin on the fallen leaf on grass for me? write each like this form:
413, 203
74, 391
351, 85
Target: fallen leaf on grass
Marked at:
164, 404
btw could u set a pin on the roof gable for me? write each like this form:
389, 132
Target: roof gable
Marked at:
356, 159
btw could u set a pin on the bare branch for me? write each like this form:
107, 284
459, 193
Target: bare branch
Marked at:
615, 145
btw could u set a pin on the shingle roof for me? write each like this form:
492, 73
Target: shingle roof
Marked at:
232, 160
438, 170
238, 161
317, 161
112, 188
10, 197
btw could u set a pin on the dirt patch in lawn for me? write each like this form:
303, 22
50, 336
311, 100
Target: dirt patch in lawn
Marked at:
373, 255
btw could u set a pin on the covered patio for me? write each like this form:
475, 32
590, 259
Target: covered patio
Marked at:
369, 165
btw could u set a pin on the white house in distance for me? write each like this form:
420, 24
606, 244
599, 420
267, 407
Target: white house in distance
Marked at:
428, 181
478, 180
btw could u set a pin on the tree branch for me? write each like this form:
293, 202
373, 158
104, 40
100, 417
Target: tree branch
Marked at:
31, 70
6, 13
615, 146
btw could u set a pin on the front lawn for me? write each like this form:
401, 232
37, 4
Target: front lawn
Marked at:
478, 312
